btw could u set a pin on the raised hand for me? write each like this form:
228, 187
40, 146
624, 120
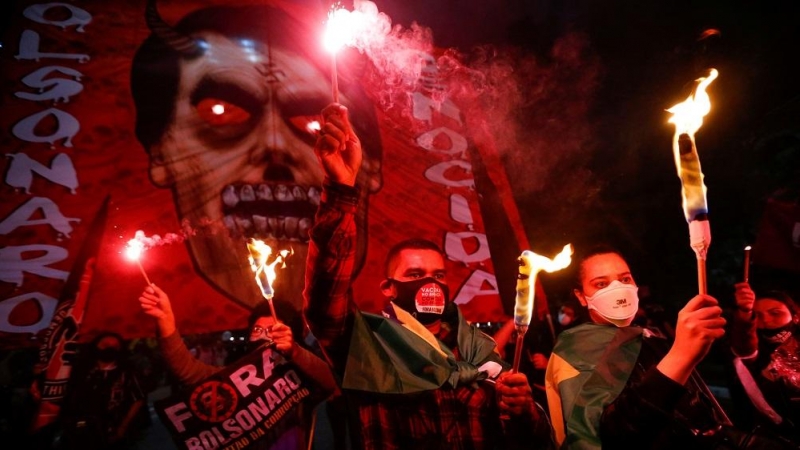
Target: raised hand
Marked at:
700, 323
155, 303
337, 147
745, 298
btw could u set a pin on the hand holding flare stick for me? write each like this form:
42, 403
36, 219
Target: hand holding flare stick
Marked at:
530, 264
265, 273
134, 251
688, 118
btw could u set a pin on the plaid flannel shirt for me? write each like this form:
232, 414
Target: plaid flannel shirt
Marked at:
465, 417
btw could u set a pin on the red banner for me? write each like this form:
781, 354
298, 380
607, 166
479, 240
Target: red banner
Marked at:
196, 118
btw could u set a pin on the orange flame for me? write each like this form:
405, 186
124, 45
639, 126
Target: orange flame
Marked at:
688, 115
688, 118
530, 264
265, 273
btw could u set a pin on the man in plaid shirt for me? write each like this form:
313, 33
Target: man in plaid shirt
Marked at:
417, 375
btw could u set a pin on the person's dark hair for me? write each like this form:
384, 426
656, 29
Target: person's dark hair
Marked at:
582, 255
286, 313
782, 297
409, 244
105, 334
87, 356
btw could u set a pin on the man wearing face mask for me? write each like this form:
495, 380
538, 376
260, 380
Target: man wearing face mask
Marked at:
103, 398
264, 330
613, 385
415, 376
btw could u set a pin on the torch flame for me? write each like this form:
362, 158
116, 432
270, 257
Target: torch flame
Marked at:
265, 273
688, 115
530, 264
688, 118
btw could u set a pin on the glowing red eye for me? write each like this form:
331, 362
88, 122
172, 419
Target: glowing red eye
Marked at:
307, 124
218, 112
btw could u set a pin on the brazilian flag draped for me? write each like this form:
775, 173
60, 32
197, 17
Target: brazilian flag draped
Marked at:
394, 354
588, 369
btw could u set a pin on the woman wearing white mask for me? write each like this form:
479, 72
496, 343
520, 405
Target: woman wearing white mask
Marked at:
613, 385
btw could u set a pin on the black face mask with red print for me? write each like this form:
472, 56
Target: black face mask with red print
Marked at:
425, 298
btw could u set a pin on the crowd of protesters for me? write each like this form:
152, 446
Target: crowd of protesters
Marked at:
609, 371
755, 364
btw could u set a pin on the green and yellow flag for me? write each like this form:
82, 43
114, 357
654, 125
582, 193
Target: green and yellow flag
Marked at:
589, 367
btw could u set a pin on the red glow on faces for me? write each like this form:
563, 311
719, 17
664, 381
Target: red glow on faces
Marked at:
219, 112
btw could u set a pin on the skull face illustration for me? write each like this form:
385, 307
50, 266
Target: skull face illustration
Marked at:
226, 107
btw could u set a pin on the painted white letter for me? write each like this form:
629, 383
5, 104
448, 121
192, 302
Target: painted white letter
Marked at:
12, 266
21, 217
78, 16
60, 88
67, 127
46, 303
61, 171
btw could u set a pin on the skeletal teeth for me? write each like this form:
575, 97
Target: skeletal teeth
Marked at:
298, 193
260, 223
244, 223
303, 226
283, 194
279, 230
313, 195
273, 225
290, 227
264, 192
230, 224
229, 196
247, 194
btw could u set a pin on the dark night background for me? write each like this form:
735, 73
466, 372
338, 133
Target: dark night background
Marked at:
589, 148
602, 134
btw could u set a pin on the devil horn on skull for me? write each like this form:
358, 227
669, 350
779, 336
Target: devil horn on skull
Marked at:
181, 43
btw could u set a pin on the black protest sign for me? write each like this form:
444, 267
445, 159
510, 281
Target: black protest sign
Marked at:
253, 400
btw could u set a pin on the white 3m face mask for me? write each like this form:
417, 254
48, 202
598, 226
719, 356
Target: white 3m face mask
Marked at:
617, 301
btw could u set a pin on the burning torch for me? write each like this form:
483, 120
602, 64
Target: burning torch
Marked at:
265, 273
530, 264
688, 118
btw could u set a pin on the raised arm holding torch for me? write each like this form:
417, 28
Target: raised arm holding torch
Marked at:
688, 118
